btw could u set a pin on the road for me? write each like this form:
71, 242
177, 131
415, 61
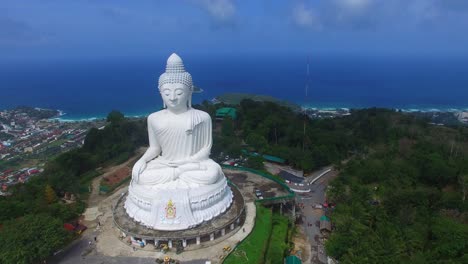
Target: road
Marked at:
311, 216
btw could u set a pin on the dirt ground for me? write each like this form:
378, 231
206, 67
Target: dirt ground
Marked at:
117, 176
302, 246
95, 198
247, 182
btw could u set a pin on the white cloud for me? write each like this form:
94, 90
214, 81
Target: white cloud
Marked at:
117, 13
453, 5
421, 11
17, 32
306, 17
354, 5
220, 10
336, 14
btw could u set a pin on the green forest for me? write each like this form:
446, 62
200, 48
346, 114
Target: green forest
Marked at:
404, 200
402, 194
306, 144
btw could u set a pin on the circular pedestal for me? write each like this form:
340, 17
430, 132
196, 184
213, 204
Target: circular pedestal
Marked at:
204, 232
179, 208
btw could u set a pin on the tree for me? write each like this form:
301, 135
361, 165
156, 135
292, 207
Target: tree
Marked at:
92, 139
115, 117
227, 127
31, 239
449, 240
50, 195
258, 142
234, 148
463, 181
255, 162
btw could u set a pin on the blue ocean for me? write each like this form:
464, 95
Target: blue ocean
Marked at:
90, 88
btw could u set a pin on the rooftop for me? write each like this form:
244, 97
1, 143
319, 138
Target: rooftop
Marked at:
227, 111
290, 177
293, 260
274, 159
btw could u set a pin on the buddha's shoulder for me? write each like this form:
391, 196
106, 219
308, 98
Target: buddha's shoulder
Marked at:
195, 113
157, 115
200, 114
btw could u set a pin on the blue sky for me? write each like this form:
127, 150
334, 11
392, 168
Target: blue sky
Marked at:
64, 29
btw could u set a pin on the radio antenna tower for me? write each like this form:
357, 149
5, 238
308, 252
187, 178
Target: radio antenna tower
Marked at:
304, 109
308, 78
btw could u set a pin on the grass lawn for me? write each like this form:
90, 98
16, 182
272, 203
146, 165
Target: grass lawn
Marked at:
252, 249
278, 240
85, 183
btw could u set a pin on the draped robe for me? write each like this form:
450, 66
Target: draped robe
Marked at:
185, 142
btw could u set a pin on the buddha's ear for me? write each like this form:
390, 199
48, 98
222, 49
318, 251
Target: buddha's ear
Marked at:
164, 103
189, 102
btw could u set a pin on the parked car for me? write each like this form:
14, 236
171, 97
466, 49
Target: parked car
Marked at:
258, 193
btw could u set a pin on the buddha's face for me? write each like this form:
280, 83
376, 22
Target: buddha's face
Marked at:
175, 96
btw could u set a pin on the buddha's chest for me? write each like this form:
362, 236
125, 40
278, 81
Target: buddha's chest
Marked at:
174, 124
173, 133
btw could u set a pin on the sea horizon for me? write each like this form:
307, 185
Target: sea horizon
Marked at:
87, 89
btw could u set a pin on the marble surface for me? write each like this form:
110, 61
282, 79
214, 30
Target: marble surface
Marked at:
175, 185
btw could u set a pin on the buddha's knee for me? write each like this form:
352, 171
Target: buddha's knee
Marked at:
152, 177
208, 176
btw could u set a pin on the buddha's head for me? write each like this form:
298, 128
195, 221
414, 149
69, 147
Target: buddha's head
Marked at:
175, 85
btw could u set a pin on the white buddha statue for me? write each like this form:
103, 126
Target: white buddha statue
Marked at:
175, 185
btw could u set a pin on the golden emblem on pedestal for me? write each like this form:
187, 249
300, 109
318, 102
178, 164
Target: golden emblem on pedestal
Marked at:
170, 210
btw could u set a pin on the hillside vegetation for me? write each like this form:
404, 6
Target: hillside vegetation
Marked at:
402, 195
404, 201
32, 218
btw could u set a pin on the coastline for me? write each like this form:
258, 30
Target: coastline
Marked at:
65, 117
100, 116
403, 108
408, 109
